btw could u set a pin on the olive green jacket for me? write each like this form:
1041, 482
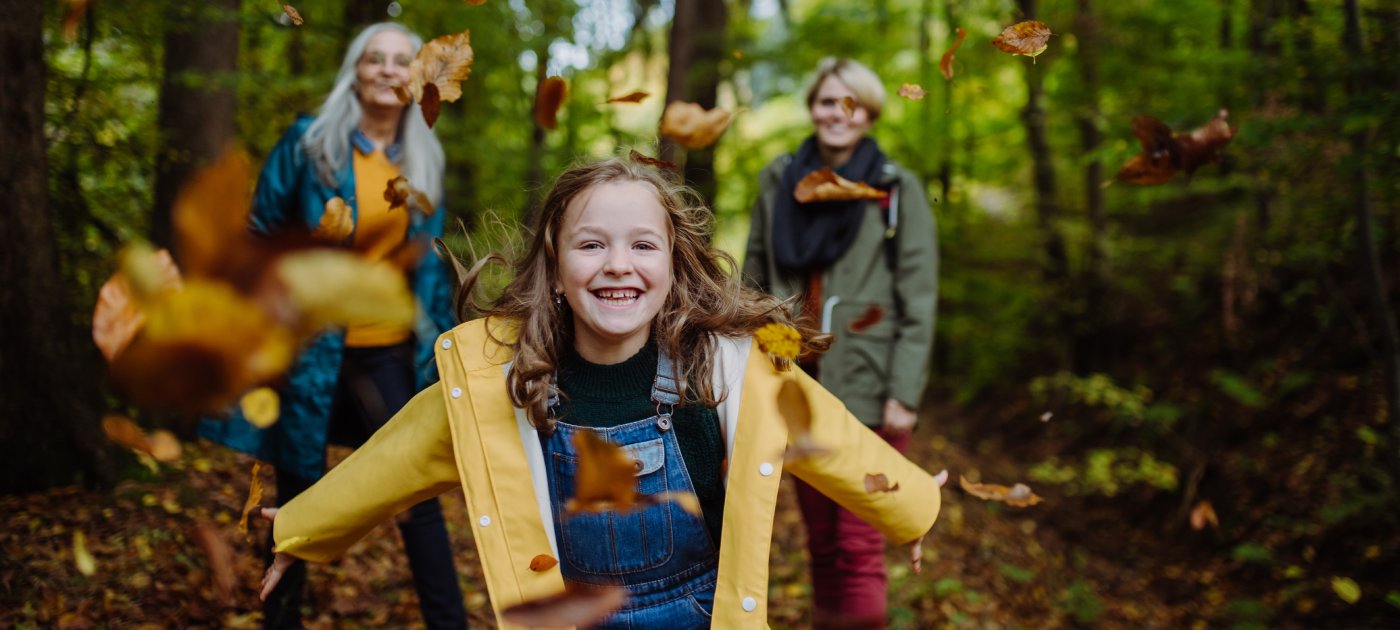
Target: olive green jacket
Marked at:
890, 358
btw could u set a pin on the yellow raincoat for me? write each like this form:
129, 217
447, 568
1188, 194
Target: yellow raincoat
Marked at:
464, 433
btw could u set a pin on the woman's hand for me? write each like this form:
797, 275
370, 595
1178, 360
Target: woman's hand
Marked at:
898, 418
280, 563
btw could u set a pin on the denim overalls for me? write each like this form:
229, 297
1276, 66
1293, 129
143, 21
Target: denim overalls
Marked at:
661, 554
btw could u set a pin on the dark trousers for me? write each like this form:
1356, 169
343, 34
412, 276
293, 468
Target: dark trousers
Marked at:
374, 384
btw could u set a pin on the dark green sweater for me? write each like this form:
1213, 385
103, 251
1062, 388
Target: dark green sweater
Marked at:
610, 395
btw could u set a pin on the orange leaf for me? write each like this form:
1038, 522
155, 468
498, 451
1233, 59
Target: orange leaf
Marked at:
549, 97
431, 104
691, 126
219, 554
605, 478
75, 11
825, 185
1019, 495
336, 222
1203, 514
118, 315
292, 13
210, 214
1165, 153
912, 91
542, 563
255, 492
578, 605
123, 431
650, 161
945, 65
848, 105
878, 482
401, 92
445, 61
631, 97
165, 447
1024, 38
867, 320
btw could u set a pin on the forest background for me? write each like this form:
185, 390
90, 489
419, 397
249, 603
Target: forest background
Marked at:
1222, 346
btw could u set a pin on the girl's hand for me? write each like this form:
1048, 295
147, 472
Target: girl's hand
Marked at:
898, 418
916, 554
280, 563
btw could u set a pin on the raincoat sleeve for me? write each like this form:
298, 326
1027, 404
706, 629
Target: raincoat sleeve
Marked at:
274, 199
407, 461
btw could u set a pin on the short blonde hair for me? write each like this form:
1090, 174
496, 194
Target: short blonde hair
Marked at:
863, 81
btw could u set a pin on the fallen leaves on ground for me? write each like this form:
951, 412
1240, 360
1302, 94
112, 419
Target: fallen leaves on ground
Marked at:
630, 97
945, 64
1028, 38
692, 126
878, 482
82, 558
1164, 153
824, 184
1019, 495
577, 605
445, 61
549, 97
912, 91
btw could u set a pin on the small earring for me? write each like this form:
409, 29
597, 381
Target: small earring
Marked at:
558, 299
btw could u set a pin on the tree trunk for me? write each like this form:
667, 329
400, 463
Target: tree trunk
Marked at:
196, 118
1358, 93
49, 411
945, 166
359, 14
1089, 340
696, 49
535, 185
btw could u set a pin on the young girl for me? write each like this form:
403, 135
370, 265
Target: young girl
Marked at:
623, 322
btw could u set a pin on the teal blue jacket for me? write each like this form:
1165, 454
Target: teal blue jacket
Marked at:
290, 194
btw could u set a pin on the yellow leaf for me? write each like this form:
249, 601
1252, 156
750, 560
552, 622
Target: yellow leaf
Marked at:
912, 91
605, 477
255, 491
336, 222
781, 342
333, 287
445, 61
165, 446
1024, 38
1347, 589
82, 558
261, 407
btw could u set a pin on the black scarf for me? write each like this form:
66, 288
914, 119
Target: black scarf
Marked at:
814, 235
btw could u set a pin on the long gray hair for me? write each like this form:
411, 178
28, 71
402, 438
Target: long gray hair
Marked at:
327, 141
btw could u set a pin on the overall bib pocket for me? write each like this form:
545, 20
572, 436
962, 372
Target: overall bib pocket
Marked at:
611, 543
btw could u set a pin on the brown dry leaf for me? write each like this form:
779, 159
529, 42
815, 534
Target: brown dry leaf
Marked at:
542, 563
650, 161
219, 554
1024, 38
123, 431
292, 13
396, 192
685, 500
878, 482
431, 104
691, 126
912, 91
549, 97
605, 478
578, 605
945, 65
401, 92
825, 185
82, 558
1019, 495
210, 214
867, 320
118, 315
71, 16
848, 105
631, 97
261, 407
1204, 514
336, 222
255, 492
445, 61
1165, 153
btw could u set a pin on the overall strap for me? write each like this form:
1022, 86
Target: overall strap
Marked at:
664, 390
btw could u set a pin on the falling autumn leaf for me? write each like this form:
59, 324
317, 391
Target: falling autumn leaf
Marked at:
945, 64
650, 161
1165, 153
336, 222
219, 554
578, 605
542, 563
1202, 515
292, 13
71, 16
796, 411
255, 492
878, 482
118, 316
630, 97
1019, 495
867, 320
445, 61
401, 92
781, 342
848, 105
825, 185
431, 104
1024, 38
604, 480
692, 126
165, 447
912, 91
261, 407
82, 558
398, 192
161, 445
210, 214
336, 288
549, 97
685, 500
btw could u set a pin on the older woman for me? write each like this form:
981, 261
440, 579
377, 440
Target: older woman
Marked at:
867, 272
347, 384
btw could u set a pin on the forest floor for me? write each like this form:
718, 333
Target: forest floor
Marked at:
986, 565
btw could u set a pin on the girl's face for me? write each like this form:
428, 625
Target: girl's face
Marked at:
383, 65
614, 267
835, 130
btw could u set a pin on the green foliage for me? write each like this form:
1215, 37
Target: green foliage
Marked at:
1253, 553
1095, 390
1080, 602
1106, 471
1238, 388
1016, 574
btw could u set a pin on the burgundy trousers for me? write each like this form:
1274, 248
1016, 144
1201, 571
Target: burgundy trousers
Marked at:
848, 559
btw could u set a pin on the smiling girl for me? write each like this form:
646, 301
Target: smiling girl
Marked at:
622, 322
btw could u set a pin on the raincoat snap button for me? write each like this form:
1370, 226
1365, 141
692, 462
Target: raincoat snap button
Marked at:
749, 604
446, 343
456, 392
765, 469
485, 520
664, 423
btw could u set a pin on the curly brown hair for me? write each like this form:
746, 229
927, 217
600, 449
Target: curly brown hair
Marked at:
706, 299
